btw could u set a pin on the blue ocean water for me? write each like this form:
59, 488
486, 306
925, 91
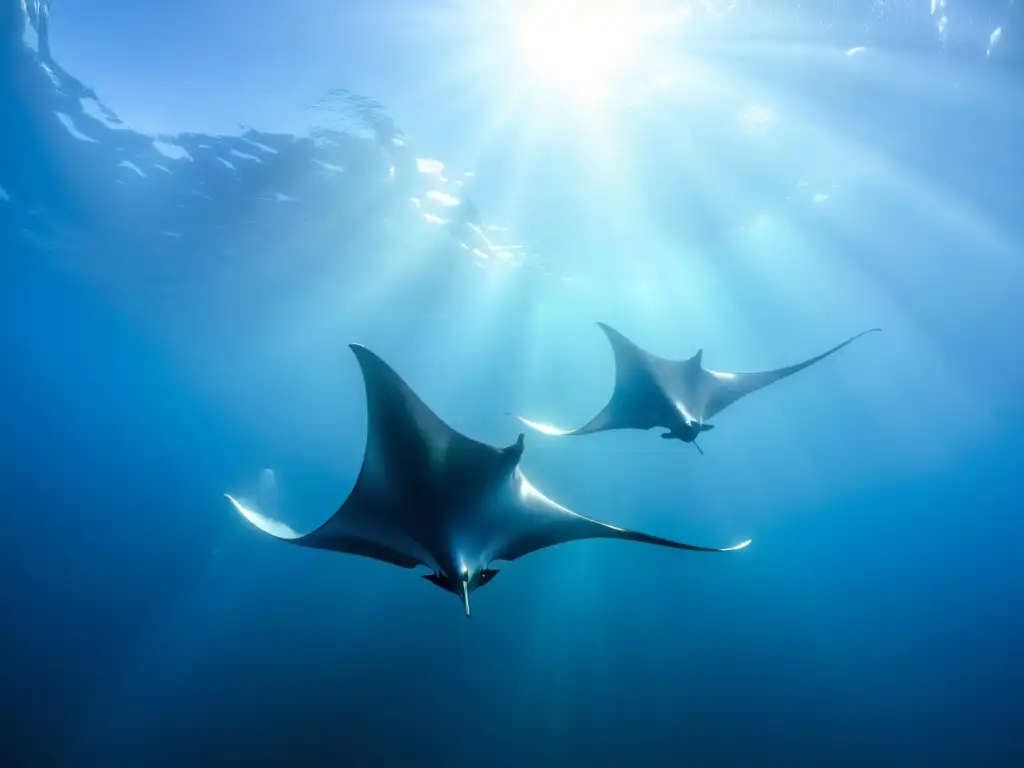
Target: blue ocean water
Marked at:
179, 291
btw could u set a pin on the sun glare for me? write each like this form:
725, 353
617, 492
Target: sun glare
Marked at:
580, 47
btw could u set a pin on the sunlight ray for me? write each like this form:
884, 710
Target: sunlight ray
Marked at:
519, 189
334, 296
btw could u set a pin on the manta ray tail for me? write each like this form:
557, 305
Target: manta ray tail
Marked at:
703, 428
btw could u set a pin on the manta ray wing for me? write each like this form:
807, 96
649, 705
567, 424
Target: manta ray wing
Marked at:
414, 461
330, 536
542, 523
629, 405
723, 389
414, 466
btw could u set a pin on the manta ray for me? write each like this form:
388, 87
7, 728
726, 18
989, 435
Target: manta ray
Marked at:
678, 395
427, 495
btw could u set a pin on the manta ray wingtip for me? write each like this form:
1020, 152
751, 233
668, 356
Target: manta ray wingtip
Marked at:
865, 333
370, 362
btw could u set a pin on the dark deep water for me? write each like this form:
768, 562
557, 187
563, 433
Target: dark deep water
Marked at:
169, 332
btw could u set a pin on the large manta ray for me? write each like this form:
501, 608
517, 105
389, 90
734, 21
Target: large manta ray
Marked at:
428, 495
678, 395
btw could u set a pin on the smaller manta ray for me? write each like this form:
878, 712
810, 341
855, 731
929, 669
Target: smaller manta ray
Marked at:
428, 495
678, 395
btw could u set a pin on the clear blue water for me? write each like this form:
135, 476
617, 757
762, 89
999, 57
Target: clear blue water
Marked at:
178, 294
